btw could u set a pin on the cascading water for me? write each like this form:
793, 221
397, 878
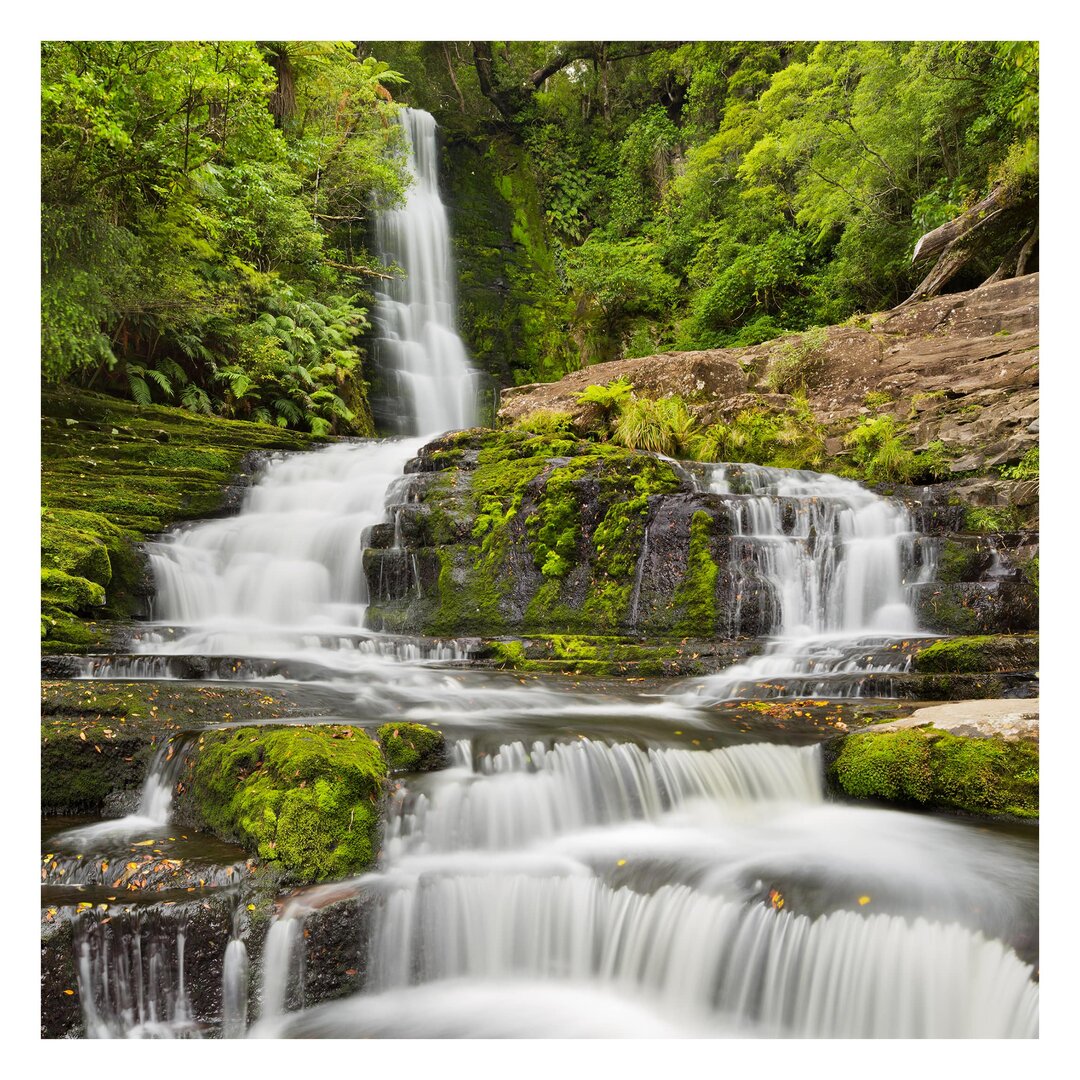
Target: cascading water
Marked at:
284, 578
615, 884
418, 350
650, 885
824, 565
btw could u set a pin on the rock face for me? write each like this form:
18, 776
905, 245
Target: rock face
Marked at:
510, 532
961, 369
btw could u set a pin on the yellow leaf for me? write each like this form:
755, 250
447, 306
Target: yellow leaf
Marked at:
863, 900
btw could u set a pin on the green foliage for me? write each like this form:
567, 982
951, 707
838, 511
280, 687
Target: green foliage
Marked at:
662, 425
1026, 469
879, 451
191, 251
546, 422
988, 520
609, 399
790, 439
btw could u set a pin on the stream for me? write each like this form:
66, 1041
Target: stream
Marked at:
646, 859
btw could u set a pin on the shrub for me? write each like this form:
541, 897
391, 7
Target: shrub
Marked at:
662, 425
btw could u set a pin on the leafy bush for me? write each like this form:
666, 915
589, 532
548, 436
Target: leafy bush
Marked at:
1026, 469
608, 398
879, 452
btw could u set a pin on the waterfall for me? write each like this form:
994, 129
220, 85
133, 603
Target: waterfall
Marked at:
285, 577
155, 803
649, 886
131, 979
825, 566
418, 351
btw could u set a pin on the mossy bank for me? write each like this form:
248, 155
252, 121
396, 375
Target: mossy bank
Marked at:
924, 767
112, 473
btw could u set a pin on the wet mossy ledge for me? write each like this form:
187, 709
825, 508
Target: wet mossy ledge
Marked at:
537, 533
924, 767
112, 473
99, 739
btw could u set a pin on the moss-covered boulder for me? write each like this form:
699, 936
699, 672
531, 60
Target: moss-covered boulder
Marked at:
304, 797
925, 767
980, 654
412, 747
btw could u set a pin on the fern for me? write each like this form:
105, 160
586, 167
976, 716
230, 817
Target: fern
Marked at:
140, 391
162, 380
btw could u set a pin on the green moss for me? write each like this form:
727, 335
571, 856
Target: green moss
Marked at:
412, 747
986, 776
933, 768
113, 472
513, 305
978, 654
526, 493
893, 766
696, 594
305, 797
957, 562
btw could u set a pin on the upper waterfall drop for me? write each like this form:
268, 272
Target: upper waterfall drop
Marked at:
418, 350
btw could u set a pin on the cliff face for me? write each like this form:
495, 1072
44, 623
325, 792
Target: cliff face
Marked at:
961, 369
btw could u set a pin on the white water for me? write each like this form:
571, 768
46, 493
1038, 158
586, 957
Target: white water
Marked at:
638, 883
830, 563
435, 390
284, 578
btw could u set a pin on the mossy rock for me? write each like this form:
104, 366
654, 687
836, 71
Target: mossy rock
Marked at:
305, 797
924, 767
979, 654
412, 747
522, 531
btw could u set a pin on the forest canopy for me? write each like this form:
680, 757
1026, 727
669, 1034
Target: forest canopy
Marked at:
207, 207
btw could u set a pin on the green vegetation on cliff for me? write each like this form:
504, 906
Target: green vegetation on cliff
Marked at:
307, 798
113, 472
934, 769
655, 195
203, 223
586, 504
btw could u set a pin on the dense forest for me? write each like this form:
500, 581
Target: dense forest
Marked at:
207, 206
